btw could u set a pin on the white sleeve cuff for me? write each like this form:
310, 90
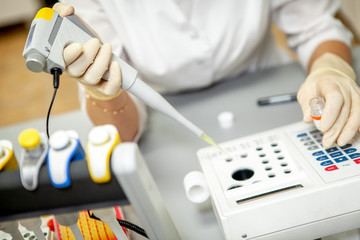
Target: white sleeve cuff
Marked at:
310, 42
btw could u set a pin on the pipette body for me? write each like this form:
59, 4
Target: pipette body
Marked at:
50, 33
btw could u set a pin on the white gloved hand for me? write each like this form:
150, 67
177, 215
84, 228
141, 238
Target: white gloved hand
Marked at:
334, 80
88, 63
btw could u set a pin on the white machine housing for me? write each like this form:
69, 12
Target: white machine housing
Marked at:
282, 184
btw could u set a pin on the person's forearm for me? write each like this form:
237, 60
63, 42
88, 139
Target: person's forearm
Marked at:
119, 111
335, 47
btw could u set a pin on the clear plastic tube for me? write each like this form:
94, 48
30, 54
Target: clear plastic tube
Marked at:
316, 109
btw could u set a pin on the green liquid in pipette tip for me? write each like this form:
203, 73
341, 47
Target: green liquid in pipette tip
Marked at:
209, 140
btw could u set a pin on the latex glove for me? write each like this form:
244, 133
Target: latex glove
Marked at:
334, 80
87, 63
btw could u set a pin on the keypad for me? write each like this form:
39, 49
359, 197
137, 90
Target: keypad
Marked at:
344, 161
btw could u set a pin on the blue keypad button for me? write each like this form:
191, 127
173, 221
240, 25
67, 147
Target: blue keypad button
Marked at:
346, 146
318, 153
333, 149
354, 155
301, 135
322, 158
314, 147
336, 154
326, 163
350, 150
340, 159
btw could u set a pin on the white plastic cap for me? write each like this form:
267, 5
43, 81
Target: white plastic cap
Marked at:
196, 188
226, 119
59, 140
99, 135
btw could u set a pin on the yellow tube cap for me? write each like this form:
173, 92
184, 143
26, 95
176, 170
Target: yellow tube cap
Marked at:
29, 138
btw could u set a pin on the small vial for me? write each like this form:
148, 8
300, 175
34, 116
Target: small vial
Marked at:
33, 154
316, 108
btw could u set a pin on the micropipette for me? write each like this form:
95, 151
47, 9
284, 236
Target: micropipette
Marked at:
316, 107
50, 33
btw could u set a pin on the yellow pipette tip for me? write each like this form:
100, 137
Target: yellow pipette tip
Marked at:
211, 141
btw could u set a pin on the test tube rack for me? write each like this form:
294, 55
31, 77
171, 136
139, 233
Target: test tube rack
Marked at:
132, 183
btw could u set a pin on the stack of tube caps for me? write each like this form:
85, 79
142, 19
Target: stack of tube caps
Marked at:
62, 147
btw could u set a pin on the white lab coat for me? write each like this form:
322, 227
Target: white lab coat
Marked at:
179, 45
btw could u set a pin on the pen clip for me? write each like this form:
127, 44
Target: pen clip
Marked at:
276, 99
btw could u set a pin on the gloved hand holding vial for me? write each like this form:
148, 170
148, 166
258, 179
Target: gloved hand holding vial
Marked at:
332, 78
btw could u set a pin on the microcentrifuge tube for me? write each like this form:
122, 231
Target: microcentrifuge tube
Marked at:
316, 108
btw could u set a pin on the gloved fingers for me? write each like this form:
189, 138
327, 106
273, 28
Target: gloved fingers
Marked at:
331, 135
353, 123
112, 86
82, 63
72, 52
334, 102
307, 116
99, 66
63, 9
304, 96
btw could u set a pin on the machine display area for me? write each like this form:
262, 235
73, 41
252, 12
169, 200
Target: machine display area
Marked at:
282, 184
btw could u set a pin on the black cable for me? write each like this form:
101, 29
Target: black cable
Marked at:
56, 72
134, 227
48, 114
124, 224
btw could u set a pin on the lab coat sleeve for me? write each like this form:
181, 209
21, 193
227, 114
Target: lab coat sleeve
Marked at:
308, 23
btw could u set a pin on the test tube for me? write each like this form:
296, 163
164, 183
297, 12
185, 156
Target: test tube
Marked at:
33, 154
316, 108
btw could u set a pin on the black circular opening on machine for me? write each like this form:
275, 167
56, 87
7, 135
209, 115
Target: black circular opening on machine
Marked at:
242, 174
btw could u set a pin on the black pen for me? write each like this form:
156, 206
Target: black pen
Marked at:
281, 98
